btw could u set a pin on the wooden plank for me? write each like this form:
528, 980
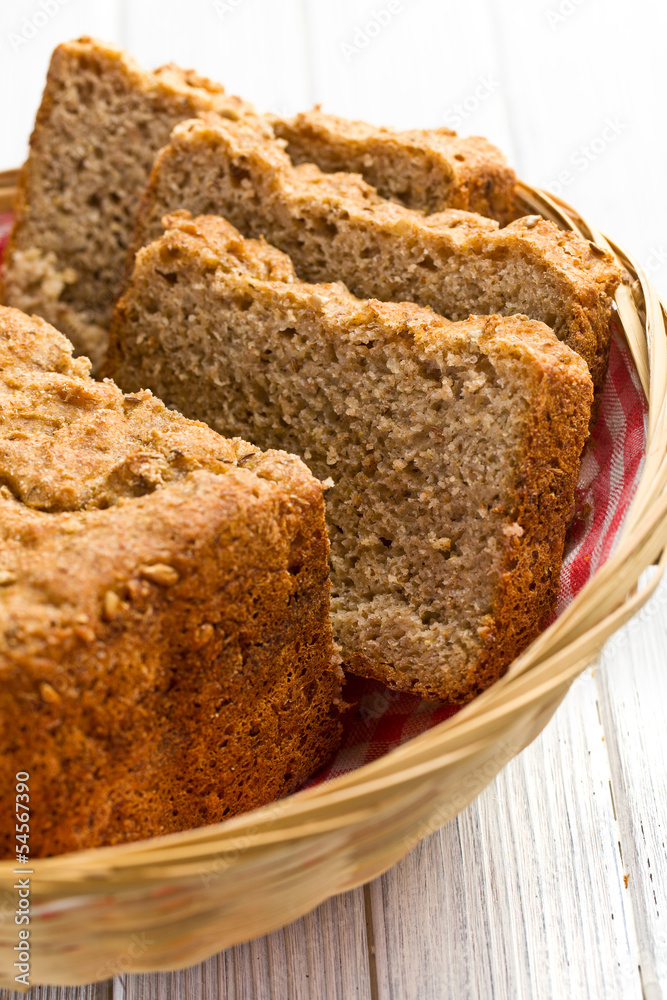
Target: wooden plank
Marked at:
522, 895
94, 991
323, 956
29, 35
631, 688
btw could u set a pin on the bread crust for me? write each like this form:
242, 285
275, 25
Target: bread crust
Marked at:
165, 646
425, 169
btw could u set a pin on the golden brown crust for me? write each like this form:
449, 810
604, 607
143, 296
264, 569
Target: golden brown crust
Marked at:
255, 257
425, 169
545, 506
165, 648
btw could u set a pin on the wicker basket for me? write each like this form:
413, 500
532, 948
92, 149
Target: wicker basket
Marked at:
189, 895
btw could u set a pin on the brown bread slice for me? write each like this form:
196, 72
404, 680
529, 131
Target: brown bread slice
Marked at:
453, 447
426, 169
165, 646
100, 123
336, 227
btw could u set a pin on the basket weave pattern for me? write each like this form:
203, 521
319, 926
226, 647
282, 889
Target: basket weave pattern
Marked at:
195, 893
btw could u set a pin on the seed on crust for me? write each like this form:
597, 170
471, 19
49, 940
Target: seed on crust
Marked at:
111, 605
160, 573
48, 693
203, 635
598, 251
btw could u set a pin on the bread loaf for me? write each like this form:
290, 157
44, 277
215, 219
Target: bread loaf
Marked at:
165, 646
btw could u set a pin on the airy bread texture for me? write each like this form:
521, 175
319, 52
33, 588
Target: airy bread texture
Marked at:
165, 645
426, 169
100, 123
336, 227
453, 447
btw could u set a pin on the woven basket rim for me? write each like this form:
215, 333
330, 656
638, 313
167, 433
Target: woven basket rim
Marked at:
535, 683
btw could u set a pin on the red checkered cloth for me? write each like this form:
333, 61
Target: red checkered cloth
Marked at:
610, 471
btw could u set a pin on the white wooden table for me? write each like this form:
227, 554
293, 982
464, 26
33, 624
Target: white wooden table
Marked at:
552, 884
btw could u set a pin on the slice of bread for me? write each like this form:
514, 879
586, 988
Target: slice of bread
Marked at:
100, 123
426, 169
336, 227
165, 645
453, 448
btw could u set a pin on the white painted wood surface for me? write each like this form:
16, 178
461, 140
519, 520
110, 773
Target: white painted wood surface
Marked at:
524, 894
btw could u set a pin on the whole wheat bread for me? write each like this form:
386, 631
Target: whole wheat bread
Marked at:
453, 448
100, 123
165, 646
336, 227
